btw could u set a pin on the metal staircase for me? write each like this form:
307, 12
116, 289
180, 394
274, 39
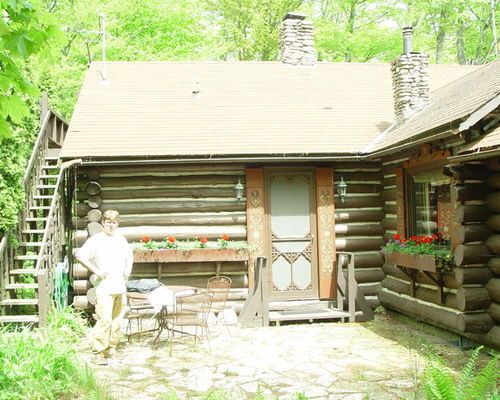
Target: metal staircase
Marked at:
29, 253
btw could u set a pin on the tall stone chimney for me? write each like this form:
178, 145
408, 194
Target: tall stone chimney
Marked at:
410, 79
297, 40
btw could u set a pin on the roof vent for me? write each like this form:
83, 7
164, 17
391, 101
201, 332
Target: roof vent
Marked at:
407, 40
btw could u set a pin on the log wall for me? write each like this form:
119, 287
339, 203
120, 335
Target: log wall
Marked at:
358, 220
187, 202
467, 304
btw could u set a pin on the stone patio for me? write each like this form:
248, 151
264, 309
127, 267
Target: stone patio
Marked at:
381, 359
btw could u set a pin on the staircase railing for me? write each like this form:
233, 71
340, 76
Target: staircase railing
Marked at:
52, 248
347, 289
53, 128
256, 307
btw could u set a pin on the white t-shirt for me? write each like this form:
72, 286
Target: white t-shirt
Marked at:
112, 255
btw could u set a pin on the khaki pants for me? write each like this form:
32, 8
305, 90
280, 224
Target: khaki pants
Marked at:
110, 309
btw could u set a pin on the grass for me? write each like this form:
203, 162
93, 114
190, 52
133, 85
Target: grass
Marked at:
43, 364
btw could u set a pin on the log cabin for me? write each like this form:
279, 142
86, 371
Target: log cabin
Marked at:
167, 143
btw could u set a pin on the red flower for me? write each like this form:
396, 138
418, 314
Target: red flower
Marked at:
224, 237
434, 236
145, 239
398, 236
413, 238
203, 240
171, 239
427, 239
404, 240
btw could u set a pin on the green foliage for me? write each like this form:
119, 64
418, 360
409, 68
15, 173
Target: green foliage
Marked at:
43, 363
440, 383
25, 32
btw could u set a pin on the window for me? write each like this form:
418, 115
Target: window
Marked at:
427, 196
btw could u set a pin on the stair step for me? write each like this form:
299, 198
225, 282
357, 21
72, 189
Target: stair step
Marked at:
34, 231
46, 186
52, 157
21, 271
307, 314
48, 176
42, 196
21, 286
50, 167
18, 318
30, 257
30, 244
40, 208
19, 302
35, 219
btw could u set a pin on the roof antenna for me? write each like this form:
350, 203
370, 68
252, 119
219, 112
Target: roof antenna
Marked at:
104, 80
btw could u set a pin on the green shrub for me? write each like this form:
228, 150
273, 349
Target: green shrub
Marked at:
43, 364
441, 384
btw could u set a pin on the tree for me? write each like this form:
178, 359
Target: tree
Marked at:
25, 32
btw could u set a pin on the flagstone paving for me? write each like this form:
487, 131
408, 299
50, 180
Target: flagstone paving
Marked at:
381, 359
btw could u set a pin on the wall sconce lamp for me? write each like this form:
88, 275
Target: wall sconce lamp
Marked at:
239, 190
342, 189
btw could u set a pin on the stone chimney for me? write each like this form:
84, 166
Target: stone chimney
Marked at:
297, 40
410, 79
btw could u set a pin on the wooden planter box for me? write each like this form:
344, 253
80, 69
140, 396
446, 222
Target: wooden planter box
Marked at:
422, 262
194, 255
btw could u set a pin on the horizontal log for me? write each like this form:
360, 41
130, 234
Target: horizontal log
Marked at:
465, 254
472, 233
367, 260
472, 275
493, 336
82, 303
389, 180
91, 296
362, 176
93, 279
493, 164
174, 220
94, 201
366, 188
494, 311
134, 234
169, 181
369, 275
493, 244
493, 181
94, 215
176, 169
493, 287
79, 271
471, 213
422, 311
358, 215
81, 286
469, 191
365, 229
94, 227
191, 268
473, 298
493, 201
92, 188
449, 279
494, 265
389, 194
466, 171
165, 193
93, 174
474, 323
369, 289
390, 209
390, 223
493, 222
358, 244
164, 206
358, 201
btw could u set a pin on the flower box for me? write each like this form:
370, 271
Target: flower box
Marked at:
422, 262
192, 255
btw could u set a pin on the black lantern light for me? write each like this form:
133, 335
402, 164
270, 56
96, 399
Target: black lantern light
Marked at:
342, 189
239, 190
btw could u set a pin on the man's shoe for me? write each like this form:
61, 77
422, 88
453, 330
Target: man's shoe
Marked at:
99, 359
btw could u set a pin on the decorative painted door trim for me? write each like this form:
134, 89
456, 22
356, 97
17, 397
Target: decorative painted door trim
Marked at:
327, 263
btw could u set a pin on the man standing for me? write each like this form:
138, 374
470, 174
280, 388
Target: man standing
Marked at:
108, 255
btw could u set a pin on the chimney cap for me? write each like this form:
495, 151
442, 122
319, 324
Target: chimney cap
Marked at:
293, 15
407, 39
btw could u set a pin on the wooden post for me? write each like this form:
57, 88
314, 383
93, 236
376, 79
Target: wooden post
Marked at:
43, 297
326, 233
400, 202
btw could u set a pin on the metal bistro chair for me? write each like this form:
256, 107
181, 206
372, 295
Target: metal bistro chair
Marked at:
138, 308
190, 310
220, 286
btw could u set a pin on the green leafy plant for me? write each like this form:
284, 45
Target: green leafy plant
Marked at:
441, 384
426, 245
146, 243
